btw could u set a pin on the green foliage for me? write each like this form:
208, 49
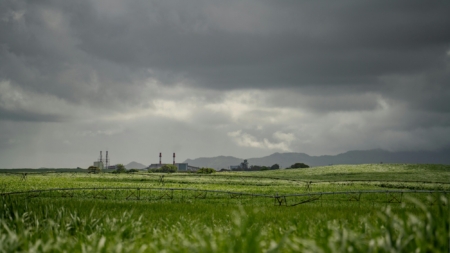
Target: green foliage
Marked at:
257, 167
73, 225
299, 166
206, 171
166, 168
93, 169
120, 168
169, 168
132, 171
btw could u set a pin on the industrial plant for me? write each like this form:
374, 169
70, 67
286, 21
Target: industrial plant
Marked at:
180, 166
99, 163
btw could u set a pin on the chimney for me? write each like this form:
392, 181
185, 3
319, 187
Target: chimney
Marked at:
173, 158
159, 157
107, 160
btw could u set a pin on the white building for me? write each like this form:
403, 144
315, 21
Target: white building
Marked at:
99, 165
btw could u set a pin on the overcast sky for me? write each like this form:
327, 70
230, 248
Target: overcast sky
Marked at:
204, 78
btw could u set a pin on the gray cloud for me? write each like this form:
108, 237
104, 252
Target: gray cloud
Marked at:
28, 116
244, 77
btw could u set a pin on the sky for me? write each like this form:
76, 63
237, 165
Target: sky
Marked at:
205, 78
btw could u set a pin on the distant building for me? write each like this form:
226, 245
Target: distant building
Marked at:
98, 165
242, 166
112, 167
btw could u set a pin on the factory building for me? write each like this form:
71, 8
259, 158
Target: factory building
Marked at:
181, 166
99, 163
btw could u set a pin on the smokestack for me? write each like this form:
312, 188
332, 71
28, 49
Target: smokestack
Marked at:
173, 158
107, 160
159, 157
101, 158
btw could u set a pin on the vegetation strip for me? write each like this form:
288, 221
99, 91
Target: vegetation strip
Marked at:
225, 192
311, 181
132, 188
365, 191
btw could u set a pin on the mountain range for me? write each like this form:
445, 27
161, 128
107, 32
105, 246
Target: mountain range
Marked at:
350, 157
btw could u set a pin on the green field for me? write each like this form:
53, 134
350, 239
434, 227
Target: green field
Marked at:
372, 210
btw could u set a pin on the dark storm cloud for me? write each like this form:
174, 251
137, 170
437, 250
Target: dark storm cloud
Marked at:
38, 52
18, 115
293, 43
60, 47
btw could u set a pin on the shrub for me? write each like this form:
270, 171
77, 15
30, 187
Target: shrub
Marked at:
120, 168
206, 170
299, 165
93, 169
167, 168
132, 171
275, 167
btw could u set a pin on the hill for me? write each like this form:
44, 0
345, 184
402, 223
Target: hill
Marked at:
135, 165
350, 157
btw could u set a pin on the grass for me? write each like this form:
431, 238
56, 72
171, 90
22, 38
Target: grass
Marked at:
265, 182
383, 172
80, 224
42, 225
